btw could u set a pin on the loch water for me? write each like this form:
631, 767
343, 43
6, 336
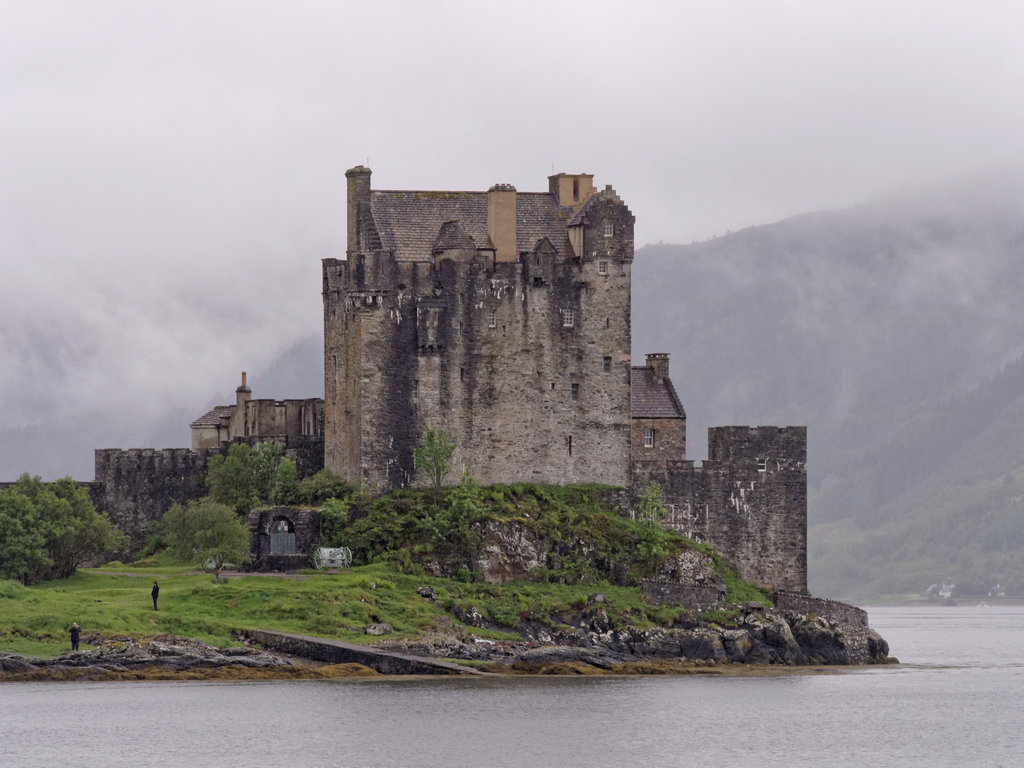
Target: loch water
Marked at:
956, 700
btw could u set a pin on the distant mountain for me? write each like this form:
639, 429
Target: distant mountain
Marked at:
894, 331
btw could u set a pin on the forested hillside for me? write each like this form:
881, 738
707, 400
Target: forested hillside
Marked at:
894, 331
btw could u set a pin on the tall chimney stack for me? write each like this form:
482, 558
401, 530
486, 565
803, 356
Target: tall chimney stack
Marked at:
358, 193
501, 221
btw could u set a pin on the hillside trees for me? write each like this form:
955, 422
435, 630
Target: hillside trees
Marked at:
50, 529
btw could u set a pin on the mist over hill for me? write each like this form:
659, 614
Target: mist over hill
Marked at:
893, 330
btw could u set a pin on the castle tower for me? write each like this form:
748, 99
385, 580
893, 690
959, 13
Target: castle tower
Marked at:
500, 317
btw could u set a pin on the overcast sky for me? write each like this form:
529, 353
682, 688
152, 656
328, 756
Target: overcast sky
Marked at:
171, 173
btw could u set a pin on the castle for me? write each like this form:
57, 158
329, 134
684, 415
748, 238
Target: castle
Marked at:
502, 318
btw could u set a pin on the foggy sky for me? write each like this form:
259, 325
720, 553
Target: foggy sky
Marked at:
171, 174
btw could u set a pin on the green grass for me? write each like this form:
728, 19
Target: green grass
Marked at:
116, 601
399, 532
37, 619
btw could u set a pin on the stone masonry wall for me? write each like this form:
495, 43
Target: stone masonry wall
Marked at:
136, 486
139, 485
411, 345
693, 597
749, 500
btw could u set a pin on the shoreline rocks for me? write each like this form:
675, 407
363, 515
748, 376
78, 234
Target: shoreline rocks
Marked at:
124, 658
757, 635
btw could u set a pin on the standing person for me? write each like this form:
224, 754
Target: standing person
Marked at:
76, 634
156, 594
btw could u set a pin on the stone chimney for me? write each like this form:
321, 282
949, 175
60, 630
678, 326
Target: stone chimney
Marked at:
358, 192
243, 394
501, 221
571, 189
658, 362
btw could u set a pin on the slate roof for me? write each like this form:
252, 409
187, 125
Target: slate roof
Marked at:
453, 237
410, 222
653, 399
212, 417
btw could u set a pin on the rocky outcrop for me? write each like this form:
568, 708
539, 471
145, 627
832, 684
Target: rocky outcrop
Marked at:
751, 634
510, 551
115, 657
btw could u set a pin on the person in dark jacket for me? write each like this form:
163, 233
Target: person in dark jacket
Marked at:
156, 594
76, 634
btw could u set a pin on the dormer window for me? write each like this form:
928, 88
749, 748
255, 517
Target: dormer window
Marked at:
568, 318
609, 229
602, 267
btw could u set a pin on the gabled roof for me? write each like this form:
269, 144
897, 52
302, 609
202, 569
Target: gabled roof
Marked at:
453, 237
410, 222
212, 417
651, 398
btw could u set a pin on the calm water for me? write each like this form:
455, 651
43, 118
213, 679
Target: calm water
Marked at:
957, 700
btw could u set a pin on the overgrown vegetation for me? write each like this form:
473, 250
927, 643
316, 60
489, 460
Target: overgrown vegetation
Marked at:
446, 528
47, 530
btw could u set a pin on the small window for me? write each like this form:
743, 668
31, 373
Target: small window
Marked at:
568, 318
602, 267
462, 374
762, 465
575, 391
538, 281
609, 229
570, 445
648, 438
492, 318
575, 189
607, 364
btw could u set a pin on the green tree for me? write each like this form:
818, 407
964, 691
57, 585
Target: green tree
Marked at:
264, 463
77, 531
317, 489
454, 528
22, 545
206, 533
650, 508
244, 478
61, 517
286, 483
434, 455
334, 522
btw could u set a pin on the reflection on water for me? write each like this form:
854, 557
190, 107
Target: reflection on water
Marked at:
955, 701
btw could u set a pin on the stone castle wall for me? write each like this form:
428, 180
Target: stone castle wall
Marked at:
136, 486
507, 359
749, 499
